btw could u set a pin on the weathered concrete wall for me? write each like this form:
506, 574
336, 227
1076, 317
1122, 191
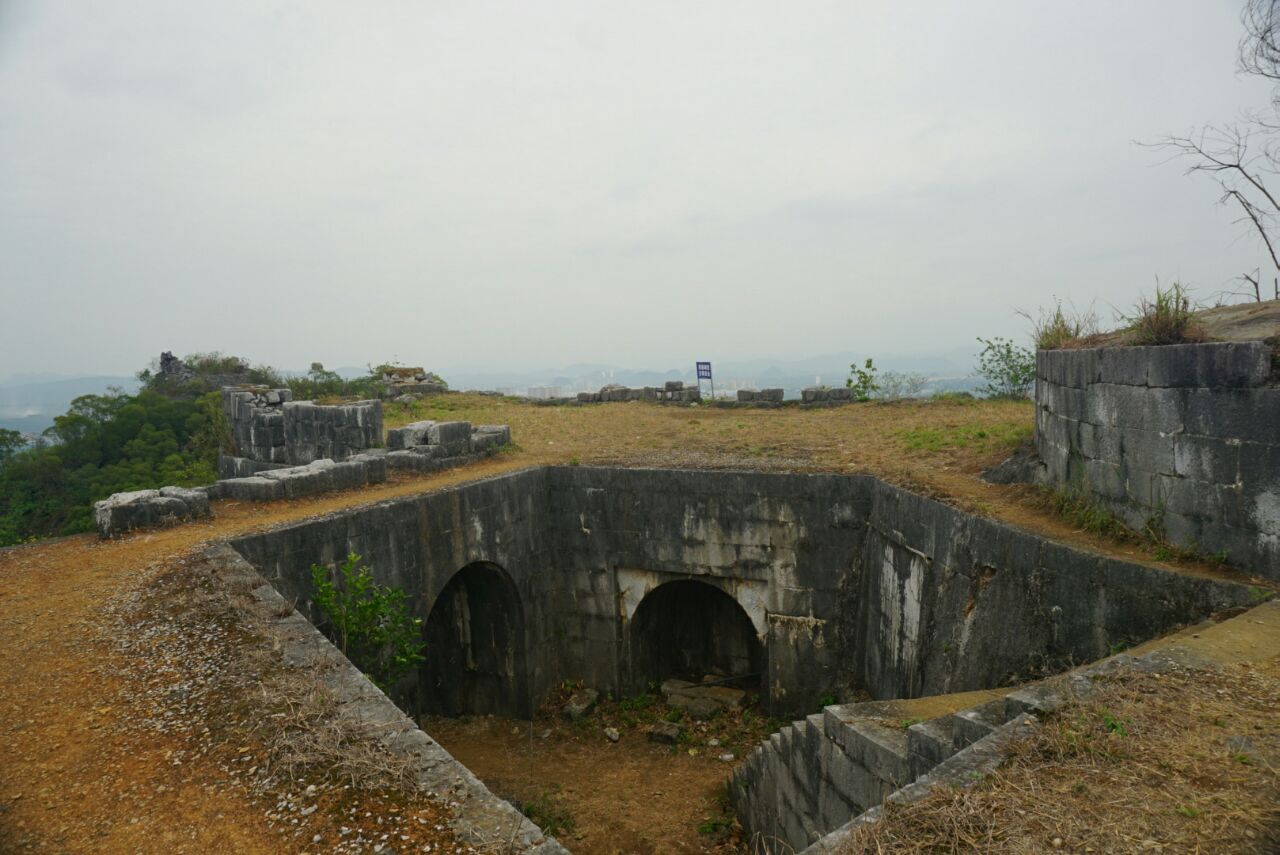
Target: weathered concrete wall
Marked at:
848, 582
944, 601
1185, 438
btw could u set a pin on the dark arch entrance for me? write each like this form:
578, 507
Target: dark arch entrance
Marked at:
690, 629
475, 654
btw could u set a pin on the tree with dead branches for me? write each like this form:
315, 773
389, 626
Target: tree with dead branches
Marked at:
1243, 158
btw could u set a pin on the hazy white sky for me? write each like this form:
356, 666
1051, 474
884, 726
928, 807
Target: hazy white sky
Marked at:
524, 184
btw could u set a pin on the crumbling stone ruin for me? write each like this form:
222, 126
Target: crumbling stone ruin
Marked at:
413, 382
289, 449
268, 427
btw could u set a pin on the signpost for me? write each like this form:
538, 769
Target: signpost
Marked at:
704, 373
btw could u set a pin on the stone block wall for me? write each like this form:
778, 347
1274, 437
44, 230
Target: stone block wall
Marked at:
772, 396
256, 419
1185, 438
673, 391
268, 427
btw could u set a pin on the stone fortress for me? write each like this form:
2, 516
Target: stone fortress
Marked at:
820, 585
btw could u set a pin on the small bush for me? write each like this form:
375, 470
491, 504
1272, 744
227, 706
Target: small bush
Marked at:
862, 381
1009, 370
1062, 328
371, 623
1168, 319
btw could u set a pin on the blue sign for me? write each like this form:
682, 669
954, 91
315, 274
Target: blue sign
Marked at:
704, 370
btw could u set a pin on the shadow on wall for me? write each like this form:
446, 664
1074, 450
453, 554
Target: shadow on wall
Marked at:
475, 647
689, 629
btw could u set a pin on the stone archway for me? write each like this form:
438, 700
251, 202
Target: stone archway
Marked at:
690, 629
475, 647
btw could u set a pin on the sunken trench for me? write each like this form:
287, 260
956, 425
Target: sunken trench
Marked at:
800, 588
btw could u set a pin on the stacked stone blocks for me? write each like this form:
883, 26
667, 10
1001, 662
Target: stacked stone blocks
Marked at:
673, 391
429, 445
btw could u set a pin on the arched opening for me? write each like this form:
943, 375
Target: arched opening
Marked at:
691, 630
475, 647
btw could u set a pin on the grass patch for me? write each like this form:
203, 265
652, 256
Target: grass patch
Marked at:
951, 437
546, 812
1082, 512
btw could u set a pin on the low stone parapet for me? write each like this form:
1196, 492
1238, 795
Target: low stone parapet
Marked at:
294, 482
124, 512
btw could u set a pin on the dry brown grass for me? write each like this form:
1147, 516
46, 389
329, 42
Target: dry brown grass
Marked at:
1179, 762
936, 447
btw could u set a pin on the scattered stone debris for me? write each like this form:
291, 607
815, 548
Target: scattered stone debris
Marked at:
412, 383
580, 703
666, 732
611, 734
701, 700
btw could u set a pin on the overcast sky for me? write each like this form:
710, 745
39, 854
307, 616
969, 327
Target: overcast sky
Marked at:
533, 184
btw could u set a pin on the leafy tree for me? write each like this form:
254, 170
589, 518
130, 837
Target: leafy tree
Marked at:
106, 444
11, 442
370, 623
1010, 370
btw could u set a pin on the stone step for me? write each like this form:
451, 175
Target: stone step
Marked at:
968, 726
929, 743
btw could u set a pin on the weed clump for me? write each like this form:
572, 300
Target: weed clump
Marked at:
1169, 318
1063, 328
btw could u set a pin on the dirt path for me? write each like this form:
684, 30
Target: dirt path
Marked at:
76, 776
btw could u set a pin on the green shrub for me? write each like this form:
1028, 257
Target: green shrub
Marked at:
1010, 370
862, 381
370, 623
